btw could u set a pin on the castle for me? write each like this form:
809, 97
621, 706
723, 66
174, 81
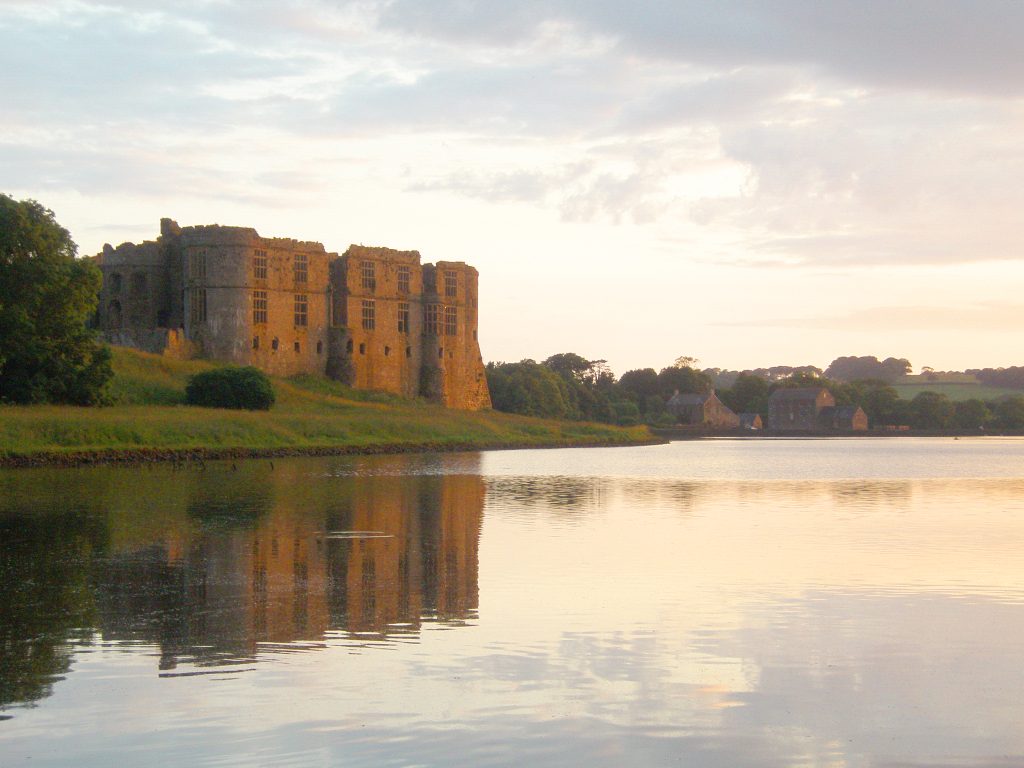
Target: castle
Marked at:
374, 318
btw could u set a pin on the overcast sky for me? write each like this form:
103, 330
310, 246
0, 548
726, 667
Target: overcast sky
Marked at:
749, 183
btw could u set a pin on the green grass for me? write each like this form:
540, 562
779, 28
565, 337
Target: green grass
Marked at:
311, 413
955, 390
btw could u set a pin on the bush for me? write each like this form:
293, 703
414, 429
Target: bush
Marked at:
231, 387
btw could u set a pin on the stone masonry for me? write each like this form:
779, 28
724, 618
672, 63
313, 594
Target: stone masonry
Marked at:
374, 318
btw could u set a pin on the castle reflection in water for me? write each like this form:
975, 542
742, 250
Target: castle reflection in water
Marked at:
218, 565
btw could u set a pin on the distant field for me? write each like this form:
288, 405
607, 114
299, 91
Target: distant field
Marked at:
954, 391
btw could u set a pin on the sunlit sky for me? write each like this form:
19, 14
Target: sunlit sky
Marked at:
748, 183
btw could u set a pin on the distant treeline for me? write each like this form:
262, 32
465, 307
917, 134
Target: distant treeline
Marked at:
1012, 377
568, 386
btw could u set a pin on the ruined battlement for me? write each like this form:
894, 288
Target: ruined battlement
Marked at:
373, 317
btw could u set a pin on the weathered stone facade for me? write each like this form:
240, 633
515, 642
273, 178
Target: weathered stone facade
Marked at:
375, 318
702, 410
798, 409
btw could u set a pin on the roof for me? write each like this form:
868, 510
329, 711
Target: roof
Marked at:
797, 393
846, 411
689, 398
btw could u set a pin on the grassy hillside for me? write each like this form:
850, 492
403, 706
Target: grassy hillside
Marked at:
310, 414
954, 390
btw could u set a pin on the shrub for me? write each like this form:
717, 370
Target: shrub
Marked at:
231, 387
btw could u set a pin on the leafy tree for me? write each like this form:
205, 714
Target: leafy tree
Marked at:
971, 414
931, 410
1010, 412
854, 368
47, 354
245, 388
685, 361
682, 379
639, 384
748, 395
569, 365
880, 401
529, 388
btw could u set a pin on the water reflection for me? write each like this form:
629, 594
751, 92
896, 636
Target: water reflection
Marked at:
628, 618
217, 565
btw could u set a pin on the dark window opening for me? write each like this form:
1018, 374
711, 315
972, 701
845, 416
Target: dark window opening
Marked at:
197, 305
301, 310
348, 346
139, 283
403, 279
298, 347
319, 347
387, 351
369, 315
255, 342
274, 344
259, 307
259, 265
403, 317
114, 315
362, 349
408, 351
368, 275
440, 352
300, 268
432, 318
451, 283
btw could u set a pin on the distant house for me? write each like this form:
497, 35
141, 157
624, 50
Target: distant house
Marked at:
702, 410
844, 417
798, 409
751, 421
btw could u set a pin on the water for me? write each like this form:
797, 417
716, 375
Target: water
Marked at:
713, 603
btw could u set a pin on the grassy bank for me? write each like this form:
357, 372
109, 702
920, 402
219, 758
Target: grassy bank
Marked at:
312, 415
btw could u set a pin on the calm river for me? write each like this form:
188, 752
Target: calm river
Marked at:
712, 603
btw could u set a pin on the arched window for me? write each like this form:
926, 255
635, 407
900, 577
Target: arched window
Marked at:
114, 319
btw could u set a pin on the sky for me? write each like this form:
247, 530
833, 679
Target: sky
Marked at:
747, 183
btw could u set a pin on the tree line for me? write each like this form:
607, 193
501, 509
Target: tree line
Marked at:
568, 386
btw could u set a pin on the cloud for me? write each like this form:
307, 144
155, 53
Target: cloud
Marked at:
854, 133
988, 317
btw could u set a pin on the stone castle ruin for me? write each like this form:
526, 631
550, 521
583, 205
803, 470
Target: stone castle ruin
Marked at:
374, 318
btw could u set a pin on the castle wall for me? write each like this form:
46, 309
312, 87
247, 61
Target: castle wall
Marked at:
454, 368
384, 316
259, 308
375, 318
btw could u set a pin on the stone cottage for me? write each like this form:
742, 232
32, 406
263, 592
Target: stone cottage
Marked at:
798, 409
374, 318
702, 410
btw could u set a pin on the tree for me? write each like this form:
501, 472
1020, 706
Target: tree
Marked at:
868, 367
47, 354
529, 388
880, 401
748, 395
971, 414
640, 383
931, 410
682, 379
1010, 412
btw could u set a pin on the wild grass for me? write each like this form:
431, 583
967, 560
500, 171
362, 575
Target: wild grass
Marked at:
311, 413
955, 390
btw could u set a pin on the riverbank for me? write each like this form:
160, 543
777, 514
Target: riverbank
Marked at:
148, 421
687, 433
